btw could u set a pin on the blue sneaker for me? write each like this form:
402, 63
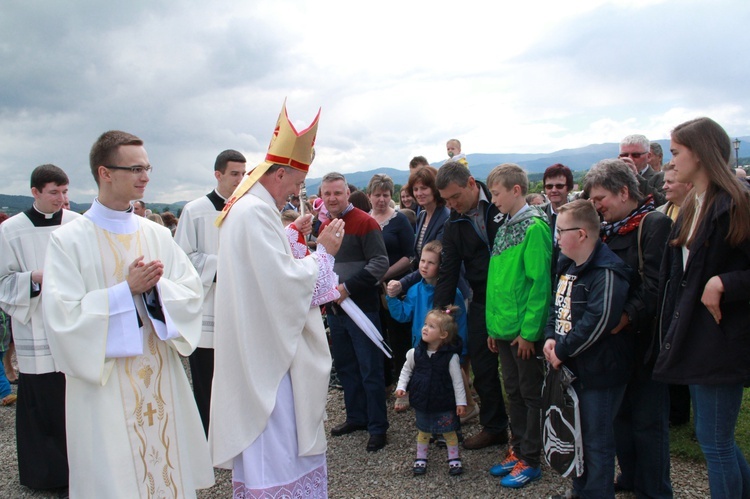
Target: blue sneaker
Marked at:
521, 475
505, 466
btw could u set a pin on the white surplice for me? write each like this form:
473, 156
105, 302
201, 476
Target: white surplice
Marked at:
133, 429
22, 249
199, 237
272, 355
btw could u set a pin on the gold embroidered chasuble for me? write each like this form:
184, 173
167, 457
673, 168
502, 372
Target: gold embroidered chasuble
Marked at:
147, 393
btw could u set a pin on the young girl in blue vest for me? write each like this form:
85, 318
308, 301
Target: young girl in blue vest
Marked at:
432, 376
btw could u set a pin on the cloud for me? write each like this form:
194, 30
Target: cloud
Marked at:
640, 62
394, 79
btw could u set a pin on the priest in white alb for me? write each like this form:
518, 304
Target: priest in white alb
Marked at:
198, 236
121, 303
272, 358
40, 413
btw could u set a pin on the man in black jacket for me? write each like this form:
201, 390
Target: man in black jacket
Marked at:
467, 239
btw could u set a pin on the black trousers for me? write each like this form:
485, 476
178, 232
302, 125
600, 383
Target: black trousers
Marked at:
40, 431
484, 364
202, 371
523, 380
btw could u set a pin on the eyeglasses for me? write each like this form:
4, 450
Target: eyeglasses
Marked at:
135, 169
559, 187
634, 155
560, 231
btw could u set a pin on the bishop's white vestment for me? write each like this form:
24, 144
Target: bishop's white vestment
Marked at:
272, 357
132, 426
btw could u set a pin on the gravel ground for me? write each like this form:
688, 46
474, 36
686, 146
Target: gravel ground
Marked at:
355, 473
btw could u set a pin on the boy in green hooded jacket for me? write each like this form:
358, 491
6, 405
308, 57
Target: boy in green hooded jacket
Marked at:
518, 298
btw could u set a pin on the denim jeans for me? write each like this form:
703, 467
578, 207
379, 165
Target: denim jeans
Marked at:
642, 439
598, 408
484, 364
359, 365
715, 410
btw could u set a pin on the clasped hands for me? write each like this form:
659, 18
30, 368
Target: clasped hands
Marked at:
143, 276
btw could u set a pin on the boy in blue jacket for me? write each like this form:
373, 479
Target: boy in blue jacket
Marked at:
591, 289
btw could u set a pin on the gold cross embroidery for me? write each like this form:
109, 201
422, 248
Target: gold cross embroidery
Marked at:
150, 414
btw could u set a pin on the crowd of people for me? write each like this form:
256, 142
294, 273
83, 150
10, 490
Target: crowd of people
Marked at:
459, 293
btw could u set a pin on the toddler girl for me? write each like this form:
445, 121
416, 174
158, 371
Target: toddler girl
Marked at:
432, 376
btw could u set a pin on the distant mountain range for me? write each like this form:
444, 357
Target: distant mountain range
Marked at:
579, 159
16, 204
481, 164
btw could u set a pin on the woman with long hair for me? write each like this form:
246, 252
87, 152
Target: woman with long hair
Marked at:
704, 298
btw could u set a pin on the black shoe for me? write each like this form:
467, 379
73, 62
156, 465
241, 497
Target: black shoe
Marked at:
376, 442
346, 428
420, 466
455, 467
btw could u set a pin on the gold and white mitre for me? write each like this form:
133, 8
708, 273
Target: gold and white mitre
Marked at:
288, 148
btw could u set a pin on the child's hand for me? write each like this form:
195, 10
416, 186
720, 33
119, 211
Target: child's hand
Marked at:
549, 347
400, 393
491, 345
525, 348
393, 289
550, 355
461, 410
624, 321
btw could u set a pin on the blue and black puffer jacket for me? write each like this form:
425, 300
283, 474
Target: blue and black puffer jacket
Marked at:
430, 387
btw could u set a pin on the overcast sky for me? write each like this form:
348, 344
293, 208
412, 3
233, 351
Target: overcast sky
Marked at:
394, 79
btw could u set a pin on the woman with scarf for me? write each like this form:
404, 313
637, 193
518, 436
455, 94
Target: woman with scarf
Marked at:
704, 299
638, 234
